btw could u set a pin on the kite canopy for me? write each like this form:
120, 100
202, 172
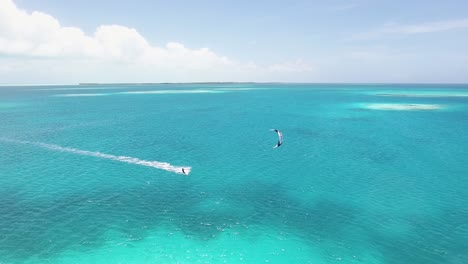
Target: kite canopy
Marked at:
280, 137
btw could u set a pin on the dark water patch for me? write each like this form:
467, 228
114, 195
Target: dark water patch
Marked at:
44, 228
380, 154
273, 206
440, 238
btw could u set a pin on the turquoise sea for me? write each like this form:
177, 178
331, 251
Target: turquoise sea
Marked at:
367, 173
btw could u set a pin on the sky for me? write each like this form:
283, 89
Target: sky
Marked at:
338, 41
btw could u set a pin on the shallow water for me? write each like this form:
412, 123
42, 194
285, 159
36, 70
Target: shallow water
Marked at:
349, 184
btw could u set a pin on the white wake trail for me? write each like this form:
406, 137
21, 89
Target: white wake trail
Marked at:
154, 164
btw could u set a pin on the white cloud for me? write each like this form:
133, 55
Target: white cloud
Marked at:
430, 27
37, 40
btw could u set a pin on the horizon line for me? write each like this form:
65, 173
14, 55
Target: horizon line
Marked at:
177, 83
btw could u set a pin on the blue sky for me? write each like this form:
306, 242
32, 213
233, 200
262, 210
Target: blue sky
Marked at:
298, 41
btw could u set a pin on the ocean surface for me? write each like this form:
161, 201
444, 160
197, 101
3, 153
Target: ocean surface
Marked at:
367, 174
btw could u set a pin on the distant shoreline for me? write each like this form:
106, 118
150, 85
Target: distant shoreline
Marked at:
219, 83
174, 83
298, 83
